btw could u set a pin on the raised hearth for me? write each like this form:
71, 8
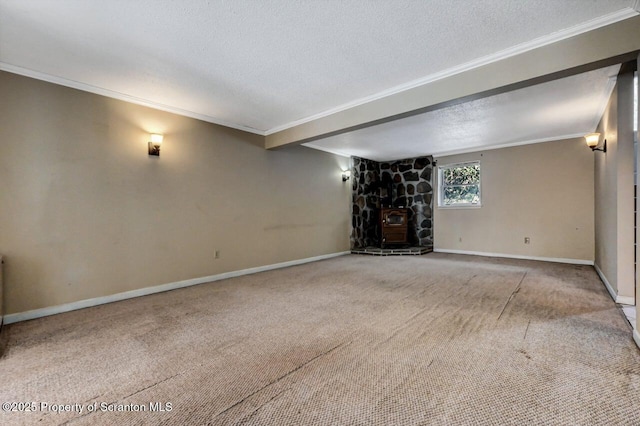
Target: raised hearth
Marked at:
395, 251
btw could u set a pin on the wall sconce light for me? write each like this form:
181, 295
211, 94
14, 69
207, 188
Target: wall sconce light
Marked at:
592, 142
346, 175
154, 144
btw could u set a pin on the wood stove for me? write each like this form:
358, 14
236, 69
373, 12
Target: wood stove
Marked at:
393, 226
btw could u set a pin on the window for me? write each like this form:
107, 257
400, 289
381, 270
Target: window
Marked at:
459, 185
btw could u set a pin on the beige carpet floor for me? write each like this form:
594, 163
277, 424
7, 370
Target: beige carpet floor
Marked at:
356, 340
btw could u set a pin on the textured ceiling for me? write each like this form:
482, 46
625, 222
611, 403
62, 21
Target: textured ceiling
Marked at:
265, 65
559, 109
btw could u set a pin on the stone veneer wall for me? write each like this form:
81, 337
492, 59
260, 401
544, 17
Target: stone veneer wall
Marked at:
412, 187
364, 211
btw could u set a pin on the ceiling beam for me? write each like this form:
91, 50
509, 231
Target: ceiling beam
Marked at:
615, 43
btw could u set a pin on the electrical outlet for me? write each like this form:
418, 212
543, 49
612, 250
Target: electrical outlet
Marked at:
216, 255
527, 240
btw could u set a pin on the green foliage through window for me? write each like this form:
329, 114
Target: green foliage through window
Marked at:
460, 185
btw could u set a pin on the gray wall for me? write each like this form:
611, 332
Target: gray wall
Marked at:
542, 191
87, 213
614, 193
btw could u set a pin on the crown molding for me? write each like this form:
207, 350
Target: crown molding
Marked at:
509, 145
464, 150
584, 27
123, 97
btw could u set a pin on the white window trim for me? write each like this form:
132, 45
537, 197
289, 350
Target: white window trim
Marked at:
441, 204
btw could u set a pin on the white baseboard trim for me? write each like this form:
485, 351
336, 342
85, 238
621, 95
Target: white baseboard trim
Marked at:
517, 256
87, 303
604, 279
624, 300
636, 337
